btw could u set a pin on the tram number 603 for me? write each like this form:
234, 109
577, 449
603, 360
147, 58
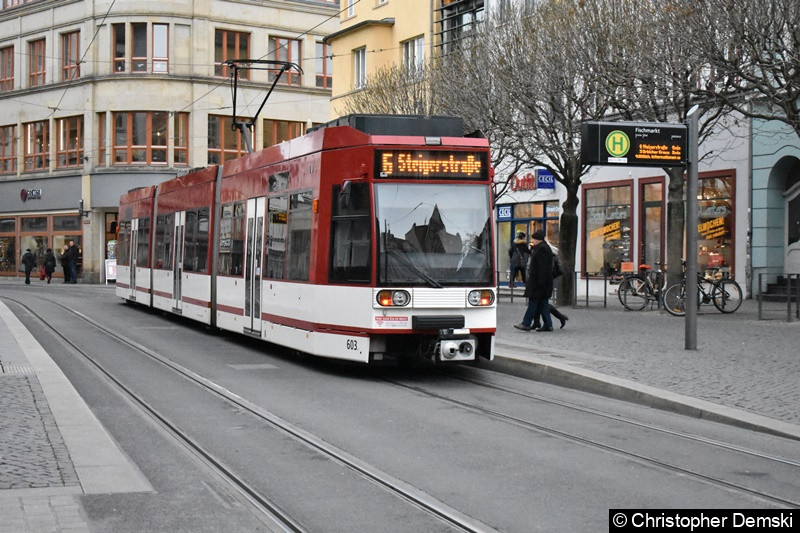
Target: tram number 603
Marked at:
352, 344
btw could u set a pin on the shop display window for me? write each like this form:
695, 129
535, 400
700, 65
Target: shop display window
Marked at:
715, 224
607, 227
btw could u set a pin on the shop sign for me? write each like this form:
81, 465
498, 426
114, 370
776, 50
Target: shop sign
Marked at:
523, 183
712, 229
713, 211
545, 179
609, 232
30, 194
641, 144
504, 212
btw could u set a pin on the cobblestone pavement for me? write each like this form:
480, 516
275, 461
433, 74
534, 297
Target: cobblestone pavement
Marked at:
32, 453
740, 361
39, 486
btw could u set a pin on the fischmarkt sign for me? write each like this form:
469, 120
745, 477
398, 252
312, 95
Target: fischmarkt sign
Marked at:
639, 144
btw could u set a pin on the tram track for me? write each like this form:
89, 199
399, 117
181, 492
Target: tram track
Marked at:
260, 503
575, 438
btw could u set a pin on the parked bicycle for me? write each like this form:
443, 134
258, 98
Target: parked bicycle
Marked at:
712, 287
636, 290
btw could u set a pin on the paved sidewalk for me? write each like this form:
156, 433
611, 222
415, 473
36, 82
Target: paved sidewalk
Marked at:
744, 370
52, 448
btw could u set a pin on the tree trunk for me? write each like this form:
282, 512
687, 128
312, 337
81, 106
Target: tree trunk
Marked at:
568, 230
676, 215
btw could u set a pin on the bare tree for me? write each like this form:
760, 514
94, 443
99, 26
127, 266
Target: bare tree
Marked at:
751, 49
393, 89
653, 76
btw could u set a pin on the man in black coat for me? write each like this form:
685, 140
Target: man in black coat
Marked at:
28, 261
539, 285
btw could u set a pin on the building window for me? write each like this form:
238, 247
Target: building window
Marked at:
101, 139
139, 57
36, 64
160, 48
351, 8
119, 54
36, 145
224, 143
716, 223
277, 131
282, 49
414, 55
181, 139
140, 137
8, 149
457, 19
69, 151
360, 68
324, 66
70, 56
230, 45
7, 69
607, 227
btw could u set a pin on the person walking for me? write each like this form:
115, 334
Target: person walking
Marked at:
72, 256
65, 263
539, 285
28, 261
49, 264
553, 310
518, 254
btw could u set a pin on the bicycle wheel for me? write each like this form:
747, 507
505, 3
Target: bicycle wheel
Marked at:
675, 299
632, 293
727, 296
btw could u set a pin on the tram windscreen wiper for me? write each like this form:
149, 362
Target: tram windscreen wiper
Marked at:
414, 268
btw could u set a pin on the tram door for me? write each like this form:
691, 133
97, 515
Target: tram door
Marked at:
177, 265
134, 248
252, 273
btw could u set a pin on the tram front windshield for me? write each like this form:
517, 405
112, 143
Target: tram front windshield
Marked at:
433, 235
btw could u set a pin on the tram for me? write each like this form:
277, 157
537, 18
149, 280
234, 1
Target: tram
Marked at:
368, 239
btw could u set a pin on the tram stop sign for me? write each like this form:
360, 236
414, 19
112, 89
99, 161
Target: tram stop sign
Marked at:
636, 144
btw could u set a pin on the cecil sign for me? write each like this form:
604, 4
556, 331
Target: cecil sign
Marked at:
650, 144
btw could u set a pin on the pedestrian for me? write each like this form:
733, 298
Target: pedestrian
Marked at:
539, 285
518, 254
72, 258
65, 263
49, 264
28, 261
553, 310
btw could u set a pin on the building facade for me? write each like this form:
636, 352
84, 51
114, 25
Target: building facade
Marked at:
98, 97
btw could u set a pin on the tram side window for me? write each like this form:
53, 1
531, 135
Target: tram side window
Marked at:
165, 228
299, 236
277, 233
350, 235
124, 243
195, 258
231, 239
143, 242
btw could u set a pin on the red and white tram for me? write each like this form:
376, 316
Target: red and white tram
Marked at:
369, 239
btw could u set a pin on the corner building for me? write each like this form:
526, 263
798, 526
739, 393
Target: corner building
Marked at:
98, 97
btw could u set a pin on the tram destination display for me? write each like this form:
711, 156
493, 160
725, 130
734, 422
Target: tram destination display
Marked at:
634, 144
431, 164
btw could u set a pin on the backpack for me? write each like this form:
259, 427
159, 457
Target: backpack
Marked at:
556, 267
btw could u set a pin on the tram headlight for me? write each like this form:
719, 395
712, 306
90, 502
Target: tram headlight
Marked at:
481, 298
394, 298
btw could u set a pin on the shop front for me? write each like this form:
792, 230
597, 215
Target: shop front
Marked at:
624, 224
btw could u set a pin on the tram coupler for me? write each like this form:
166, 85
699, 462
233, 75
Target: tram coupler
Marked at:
455, 345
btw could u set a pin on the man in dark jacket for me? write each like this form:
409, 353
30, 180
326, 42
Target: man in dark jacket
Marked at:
539, 285
72, 258
28, 261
